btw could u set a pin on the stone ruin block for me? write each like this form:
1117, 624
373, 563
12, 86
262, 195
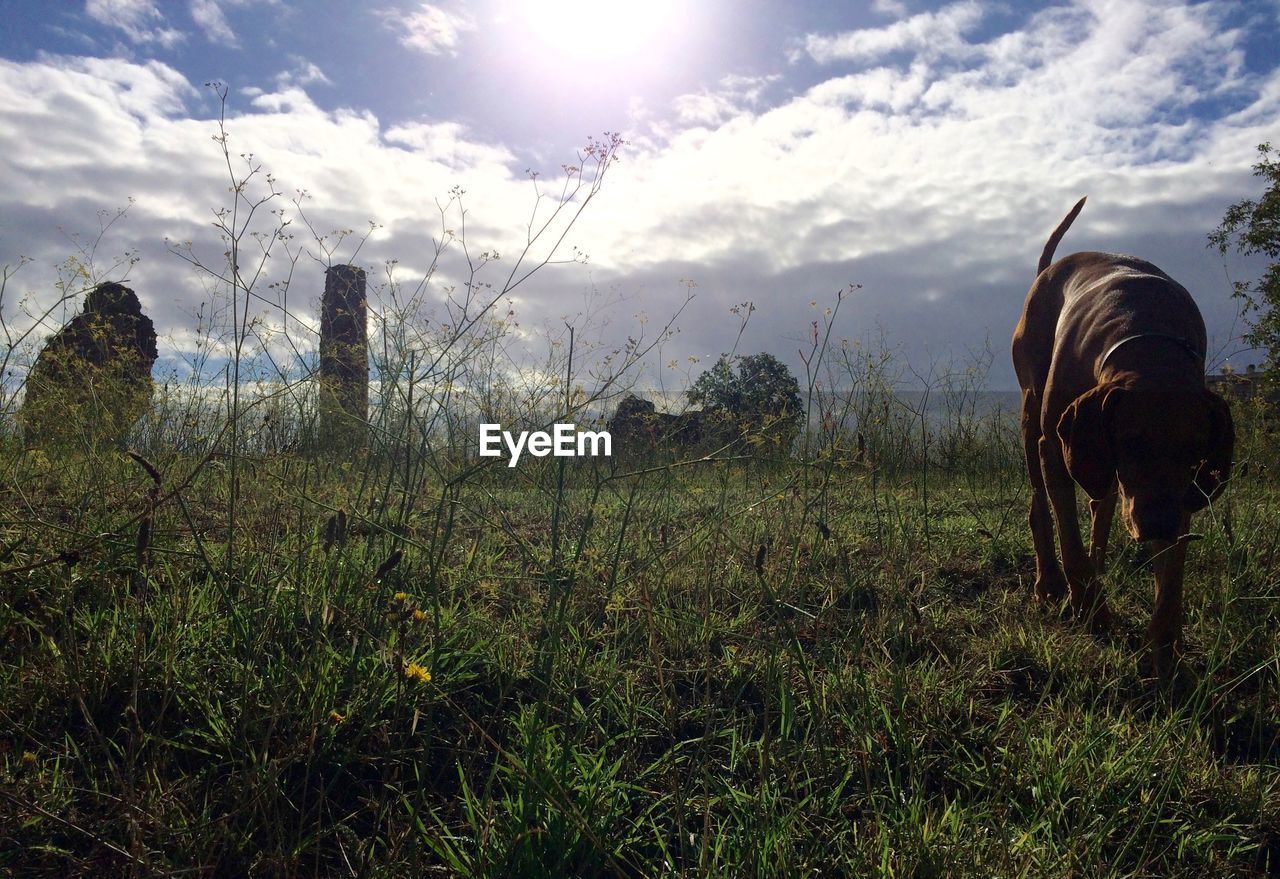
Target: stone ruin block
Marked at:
344, 360
639, 430
92, 379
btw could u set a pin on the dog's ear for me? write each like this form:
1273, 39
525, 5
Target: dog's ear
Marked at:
1215, 469
1085, 432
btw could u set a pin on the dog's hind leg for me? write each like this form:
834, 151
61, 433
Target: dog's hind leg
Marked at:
1051, 584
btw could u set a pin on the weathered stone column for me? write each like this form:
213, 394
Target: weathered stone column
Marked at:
344, 360
92, 379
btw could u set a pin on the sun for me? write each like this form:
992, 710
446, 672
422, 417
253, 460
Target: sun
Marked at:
615, 32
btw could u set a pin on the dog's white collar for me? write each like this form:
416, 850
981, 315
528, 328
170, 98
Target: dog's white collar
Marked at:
1182, 341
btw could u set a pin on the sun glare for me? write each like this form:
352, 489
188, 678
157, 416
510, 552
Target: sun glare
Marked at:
622, 33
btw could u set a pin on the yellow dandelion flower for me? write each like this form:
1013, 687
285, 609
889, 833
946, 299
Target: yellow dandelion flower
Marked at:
419, 615
335, 718
415, 672
400, 596
29, 758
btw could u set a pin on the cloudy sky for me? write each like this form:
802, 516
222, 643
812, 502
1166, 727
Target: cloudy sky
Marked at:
776, 152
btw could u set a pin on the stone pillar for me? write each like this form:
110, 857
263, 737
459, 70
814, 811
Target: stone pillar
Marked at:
344, 360
92, 379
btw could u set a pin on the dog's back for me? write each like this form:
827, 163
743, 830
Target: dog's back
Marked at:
1086, 302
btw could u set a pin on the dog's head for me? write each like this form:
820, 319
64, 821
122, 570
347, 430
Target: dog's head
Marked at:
1171, 451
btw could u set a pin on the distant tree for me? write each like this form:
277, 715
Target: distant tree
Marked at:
762, 397
717, 388
768, 387
1253, 227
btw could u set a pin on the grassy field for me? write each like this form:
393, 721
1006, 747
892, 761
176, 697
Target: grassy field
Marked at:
730, 668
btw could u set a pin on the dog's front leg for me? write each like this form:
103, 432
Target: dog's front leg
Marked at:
1165, 632
1100, 516
1086, 594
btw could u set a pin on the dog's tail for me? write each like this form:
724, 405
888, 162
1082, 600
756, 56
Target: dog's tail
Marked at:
1046, 257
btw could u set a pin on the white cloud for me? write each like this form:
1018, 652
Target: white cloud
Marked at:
931, 34
882, 87
212, 20
448, 143
211, 17
918, 177
732, 95
81, 135
895, 8
904, 174
302, 73
431, 29
140, 20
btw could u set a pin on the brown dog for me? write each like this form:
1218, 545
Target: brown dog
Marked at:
1110, 355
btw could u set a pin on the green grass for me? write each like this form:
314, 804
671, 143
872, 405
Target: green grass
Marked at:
725, 669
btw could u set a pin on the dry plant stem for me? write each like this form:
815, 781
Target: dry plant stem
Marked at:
70, 825
120, 529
